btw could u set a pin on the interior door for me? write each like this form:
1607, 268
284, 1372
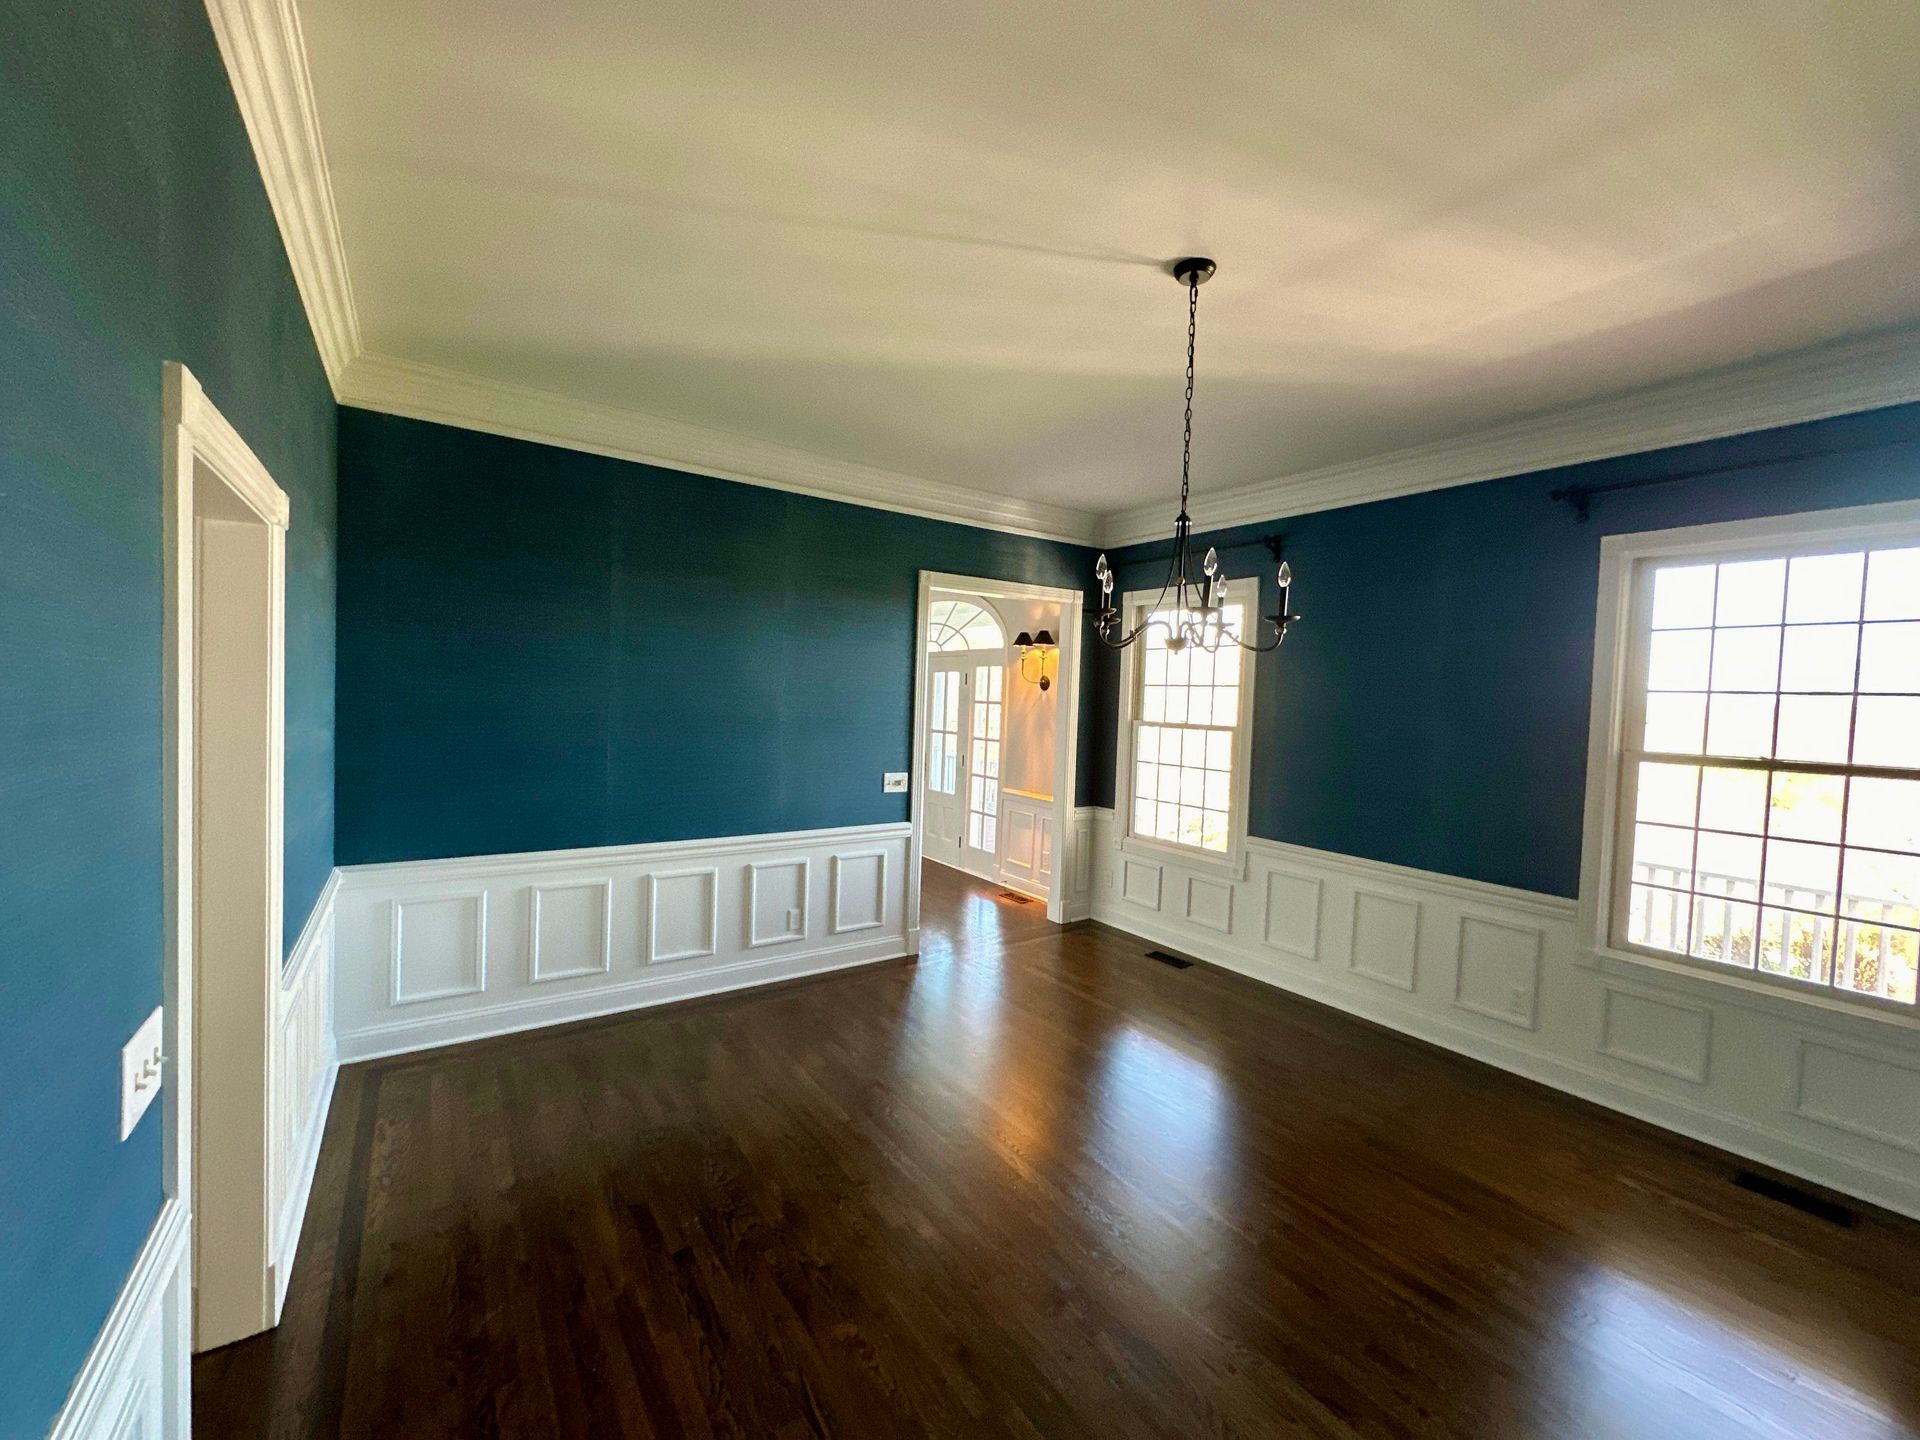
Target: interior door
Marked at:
948, 681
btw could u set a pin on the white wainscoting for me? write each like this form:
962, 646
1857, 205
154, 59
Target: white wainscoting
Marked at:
308, 1065
1026, 841
1495, 974
135, 1383
433, 952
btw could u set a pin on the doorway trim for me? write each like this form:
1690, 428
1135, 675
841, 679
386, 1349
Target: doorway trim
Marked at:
1066, 730
204, 458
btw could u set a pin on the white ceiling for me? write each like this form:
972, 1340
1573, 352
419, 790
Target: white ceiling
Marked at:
927, 238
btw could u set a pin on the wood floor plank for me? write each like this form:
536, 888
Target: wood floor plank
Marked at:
1038, 1185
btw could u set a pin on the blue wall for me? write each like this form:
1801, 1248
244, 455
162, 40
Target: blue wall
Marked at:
1431, 709
541, 648
133, 229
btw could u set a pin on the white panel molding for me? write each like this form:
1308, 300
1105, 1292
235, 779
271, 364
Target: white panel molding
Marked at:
1210, 903
1140, 882
474, 963
802, 872
133, 1384
1812, 384
448, 397
510, 865
599, 950
688, 931
1522, 990
309, 1067
1757, 1099
874, 917
1303, 938
1877, 1101
266, 59
1695, 1030
1374, 949
659, 889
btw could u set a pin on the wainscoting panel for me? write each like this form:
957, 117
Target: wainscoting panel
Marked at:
307, 1066
134, 1384
1496, 974
425, 953
1026, 841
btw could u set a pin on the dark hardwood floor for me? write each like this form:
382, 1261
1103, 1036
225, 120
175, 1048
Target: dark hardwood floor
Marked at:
1039, 1185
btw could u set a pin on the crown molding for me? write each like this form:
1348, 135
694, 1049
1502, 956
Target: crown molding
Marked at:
266, 59
1805, 385
448, 397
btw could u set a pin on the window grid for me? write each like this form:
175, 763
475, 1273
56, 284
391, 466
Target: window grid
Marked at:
943, 750
1761, 916
983, 785
1186, 713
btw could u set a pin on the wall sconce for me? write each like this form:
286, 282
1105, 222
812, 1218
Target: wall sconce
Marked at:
1037, 649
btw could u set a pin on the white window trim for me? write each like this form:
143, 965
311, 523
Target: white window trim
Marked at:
1244, 592
1616, 649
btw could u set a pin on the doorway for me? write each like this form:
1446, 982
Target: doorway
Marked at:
995, 733
225, 544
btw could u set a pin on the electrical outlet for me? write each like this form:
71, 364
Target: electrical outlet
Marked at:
893, 782
140, 1069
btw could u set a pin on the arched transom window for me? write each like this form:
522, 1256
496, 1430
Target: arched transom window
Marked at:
962, 625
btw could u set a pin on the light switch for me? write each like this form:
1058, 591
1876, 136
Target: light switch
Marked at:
894, 782
140, 1062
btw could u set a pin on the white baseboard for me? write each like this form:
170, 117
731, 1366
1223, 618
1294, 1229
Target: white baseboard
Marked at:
1494, 974
438, 952
136, 1382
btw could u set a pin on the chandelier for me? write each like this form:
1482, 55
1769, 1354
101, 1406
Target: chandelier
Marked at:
1197, 613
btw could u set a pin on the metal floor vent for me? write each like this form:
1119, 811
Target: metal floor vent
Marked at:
1016, 897
1815, 1205
1165, 959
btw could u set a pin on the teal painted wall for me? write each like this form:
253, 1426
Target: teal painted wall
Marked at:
541, 648
133, 229
1431, 709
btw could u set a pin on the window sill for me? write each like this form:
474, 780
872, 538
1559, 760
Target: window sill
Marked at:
1785, 999
1230, 866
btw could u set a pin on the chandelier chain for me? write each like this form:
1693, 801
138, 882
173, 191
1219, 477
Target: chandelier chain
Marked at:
1186, 439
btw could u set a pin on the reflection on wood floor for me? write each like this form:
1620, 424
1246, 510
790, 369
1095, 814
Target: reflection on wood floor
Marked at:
1037, 1184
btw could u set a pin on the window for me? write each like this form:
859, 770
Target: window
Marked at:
983, 785
1767, 794
1183, 759
943, 750
962, 625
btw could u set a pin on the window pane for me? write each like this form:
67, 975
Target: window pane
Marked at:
1213, 829
1876, 960
1802, 875
1153, 704
1142, 817
1682, 596
1893, 585
1880, 886
1676, 721
1667, 793
1806, 807
1886, 731
1890, 657
1727, 865
1733, 800
1751, 592
1657, 918
1884, 813
1193, 748
1677, 659
1824, 587
1663, 855
1220, 750
1818, 657
1747, 659
1814, 727
1797, 944
1725, 930
1218, 789
1740, 725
